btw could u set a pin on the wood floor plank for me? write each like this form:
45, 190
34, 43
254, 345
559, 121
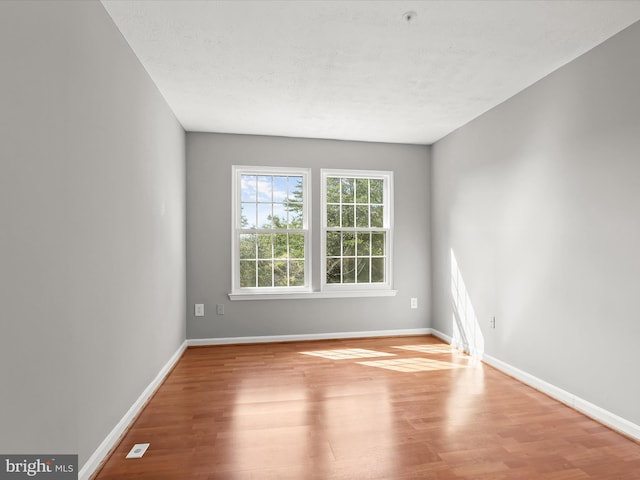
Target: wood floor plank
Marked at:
298, 411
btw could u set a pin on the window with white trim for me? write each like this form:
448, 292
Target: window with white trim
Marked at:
271, 232
357, 219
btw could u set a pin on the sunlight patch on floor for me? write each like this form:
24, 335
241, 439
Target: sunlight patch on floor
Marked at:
347, 353
412, 364
429, 348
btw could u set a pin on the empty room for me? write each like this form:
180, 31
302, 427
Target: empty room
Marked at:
339, 239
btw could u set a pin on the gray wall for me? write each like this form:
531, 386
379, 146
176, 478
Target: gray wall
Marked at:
539, 201
92, 247
209, 161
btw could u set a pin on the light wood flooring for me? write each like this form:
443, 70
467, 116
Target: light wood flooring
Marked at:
394, 408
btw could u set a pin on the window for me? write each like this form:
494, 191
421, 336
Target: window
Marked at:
272, 247
356, 229
271, 229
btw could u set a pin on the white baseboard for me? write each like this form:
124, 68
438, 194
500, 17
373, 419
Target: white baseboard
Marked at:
110, 441
98, 456
441, 336
595, 412
196, 342
603, 416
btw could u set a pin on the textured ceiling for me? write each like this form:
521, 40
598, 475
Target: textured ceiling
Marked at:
355, 70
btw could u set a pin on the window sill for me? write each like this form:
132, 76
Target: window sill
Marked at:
312, 295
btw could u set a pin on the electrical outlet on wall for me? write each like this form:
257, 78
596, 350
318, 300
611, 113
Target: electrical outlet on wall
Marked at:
199, 310
492, 322
414, 302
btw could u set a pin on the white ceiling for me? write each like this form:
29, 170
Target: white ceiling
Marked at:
355, 70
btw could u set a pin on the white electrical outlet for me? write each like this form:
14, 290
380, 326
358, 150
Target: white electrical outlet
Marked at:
138, 450
492, 322
220, 309
414, 303
199, 310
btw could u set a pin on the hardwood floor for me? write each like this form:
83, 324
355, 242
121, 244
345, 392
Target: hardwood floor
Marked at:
272, 411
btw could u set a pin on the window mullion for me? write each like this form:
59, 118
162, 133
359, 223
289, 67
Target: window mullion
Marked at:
257, 261
288, 256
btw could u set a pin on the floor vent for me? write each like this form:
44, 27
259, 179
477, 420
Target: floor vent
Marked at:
138, 450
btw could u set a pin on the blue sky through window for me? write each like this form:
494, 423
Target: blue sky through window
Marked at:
265, 197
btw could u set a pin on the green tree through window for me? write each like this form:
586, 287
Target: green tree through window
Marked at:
356, 227
271, 233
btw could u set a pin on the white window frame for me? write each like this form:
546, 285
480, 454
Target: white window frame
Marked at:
387, 177
237, 172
